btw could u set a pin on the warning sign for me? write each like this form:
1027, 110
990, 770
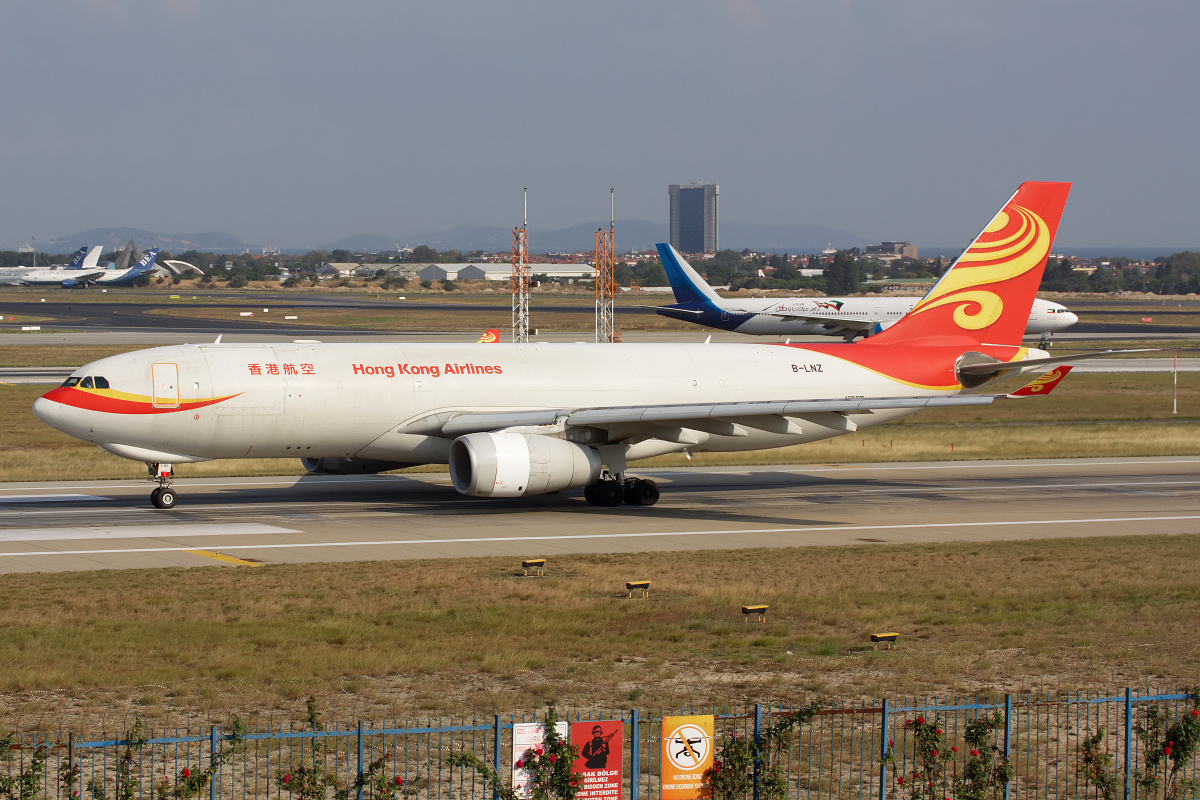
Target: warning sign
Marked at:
528, 736
687, 753
601, 754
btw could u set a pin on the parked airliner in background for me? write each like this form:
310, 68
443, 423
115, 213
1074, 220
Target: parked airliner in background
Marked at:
71, 277
848, 317
15, 276
515, 420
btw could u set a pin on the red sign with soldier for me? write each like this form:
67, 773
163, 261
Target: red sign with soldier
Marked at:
601, 754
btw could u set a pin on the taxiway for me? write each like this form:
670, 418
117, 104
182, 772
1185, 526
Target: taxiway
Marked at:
246, 522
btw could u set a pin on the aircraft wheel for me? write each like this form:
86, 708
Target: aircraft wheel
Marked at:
642, 492
163, 497
604, 493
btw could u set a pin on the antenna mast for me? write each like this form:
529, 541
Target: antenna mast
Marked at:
520, 277
606, 285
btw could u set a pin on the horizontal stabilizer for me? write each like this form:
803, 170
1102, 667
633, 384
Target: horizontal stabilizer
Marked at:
990, 367
1043, 385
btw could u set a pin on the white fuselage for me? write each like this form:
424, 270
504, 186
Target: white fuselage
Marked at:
769, 314
376, 400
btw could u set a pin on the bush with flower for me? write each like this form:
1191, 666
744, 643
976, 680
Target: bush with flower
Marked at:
983, 772
548, 765
1167, 750
314, 782
732, 775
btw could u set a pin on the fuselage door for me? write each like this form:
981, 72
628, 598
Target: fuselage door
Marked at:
165, 378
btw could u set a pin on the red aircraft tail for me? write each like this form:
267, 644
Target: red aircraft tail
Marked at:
986, 295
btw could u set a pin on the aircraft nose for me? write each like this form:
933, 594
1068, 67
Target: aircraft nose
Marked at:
47, 411
1068, 319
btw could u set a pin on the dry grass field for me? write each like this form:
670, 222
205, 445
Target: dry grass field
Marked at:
392, 639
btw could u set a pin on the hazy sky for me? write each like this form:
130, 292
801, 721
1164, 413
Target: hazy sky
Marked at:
296, 122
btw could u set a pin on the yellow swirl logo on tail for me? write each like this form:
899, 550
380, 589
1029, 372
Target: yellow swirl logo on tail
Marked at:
490, 336
1016, 241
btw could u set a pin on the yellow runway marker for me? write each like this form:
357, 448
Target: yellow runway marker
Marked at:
227, 559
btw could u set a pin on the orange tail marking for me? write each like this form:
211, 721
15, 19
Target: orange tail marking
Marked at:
987, 294
490, 336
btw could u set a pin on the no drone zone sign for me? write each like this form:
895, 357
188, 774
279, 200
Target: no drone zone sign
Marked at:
687, 753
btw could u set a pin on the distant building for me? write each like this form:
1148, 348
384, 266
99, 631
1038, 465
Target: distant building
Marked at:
695, 217
898, 249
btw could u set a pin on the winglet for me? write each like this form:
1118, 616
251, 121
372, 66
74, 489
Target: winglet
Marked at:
490, 336
1043, 385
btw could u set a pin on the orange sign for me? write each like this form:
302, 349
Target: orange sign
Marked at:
687, 753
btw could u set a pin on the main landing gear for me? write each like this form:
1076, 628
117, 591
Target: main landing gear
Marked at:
612, 491
164, 496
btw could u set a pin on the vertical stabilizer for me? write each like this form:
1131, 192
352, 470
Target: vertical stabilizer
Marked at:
686, 283
76, 261
986, 295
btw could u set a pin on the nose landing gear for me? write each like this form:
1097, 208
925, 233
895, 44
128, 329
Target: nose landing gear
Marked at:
164, 496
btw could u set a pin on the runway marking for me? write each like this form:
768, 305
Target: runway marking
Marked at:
643, 535
750, 469
137, 532
49, 498
331, 506
220, 557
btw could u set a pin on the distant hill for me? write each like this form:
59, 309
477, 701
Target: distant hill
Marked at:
113, 238
632, 234
639, 234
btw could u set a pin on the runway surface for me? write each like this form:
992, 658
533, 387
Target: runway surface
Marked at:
246, 522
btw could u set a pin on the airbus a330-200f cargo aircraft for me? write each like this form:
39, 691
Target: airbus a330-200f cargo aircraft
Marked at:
514, 420
848, 317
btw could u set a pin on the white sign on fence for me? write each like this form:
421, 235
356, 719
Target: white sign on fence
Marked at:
528, 736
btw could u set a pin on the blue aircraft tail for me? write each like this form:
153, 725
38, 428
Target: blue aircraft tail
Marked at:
146, 262
686, 283
77, 259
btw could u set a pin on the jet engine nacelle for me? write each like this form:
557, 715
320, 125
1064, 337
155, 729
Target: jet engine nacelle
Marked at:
518, 464
349, 466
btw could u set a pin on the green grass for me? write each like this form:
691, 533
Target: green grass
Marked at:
390, 638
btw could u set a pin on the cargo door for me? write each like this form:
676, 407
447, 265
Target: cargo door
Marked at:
165, 380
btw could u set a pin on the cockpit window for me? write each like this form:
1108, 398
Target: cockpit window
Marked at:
69, 382
101, 383
86, 383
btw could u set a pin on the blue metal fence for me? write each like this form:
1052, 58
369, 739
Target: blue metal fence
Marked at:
838, 755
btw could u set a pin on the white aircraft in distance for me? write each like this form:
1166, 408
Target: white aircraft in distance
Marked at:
71, 277
16, 276
848, 317
514, 420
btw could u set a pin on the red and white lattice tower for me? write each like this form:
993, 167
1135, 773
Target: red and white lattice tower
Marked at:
520, 279
606, 284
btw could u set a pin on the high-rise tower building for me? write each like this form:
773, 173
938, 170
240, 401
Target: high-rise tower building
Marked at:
695, 217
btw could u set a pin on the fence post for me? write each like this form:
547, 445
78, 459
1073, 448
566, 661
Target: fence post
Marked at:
212, 782
757, 745
361, 749
635, 753
1128, 741
883, 751
1007, 737
496, 755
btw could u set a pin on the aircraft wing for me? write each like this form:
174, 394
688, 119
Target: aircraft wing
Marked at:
833, 322
783, 416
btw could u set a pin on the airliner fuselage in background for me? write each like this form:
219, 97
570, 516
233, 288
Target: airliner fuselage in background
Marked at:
848, 317
523, 419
